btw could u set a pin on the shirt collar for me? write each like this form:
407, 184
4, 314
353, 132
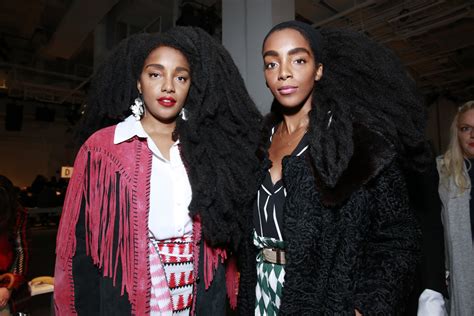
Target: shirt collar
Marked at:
129, 128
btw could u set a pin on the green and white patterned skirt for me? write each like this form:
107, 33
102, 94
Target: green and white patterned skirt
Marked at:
270, 278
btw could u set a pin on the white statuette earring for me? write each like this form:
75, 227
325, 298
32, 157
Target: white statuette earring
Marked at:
184, 114
137, 108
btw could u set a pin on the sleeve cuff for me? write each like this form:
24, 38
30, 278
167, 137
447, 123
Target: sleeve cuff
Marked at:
431, 303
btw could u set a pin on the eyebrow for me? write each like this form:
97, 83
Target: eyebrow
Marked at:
298, 50
293, 51
161, 67
270, 53
182, 69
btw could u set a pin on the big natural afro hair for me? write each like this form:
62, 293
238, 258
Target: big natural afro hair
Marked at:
219, 137
363, 83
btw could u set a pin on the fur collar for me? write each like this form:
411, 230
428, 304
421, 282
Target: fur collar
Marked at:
372, 152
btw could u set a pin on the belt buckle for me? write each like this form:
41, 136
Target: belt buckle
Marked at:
274, 255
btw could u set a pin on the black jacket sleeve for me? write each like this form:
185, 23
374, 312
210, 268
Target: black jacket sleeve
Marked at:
388, 262
423, 190
424, 197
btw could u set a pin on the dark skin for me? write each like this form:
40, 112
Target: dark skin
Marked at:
291, 73
284, 141
164, 84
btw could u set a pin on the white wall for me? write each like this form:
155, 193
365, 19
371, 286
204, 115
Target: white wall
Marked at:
244, 26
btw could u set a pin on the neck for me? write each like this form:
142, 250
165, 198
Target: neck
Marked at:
154, 126
298, 120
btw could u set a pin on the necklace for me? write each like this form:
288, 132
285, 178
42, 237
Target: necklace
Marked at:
294, 137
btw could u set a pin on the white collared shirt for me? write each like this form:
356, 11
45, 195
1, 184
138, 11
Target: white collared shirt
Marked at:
170, 191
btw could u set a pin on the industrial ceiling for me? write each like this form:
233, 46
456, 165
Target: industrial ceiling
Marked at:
47, 47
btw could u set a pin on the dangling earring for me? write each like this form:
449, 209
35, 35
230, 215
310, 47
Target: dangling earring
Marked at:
184, 114
137, 108
330, 119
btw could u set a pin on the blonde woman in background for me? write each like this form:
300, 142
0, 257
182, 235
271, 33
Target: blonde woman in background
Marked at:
456, 173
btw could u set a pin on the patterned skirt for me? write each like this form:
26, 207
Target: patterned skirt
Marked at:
270, 278
172, 285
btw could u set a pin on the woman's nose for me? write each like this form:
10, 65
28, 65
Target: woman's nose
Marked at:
168, 85
285, 72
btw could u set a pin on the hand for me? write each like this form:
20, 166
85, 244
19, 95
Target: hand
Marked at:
357, 313
4, 296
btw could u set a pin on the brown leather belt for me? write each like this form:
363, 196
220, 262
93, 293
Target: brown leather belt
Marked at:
274, 255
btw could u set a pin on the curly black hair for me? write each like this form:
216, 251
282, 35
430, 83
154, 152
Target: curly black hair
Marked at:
219, 137
113, 87
363, 82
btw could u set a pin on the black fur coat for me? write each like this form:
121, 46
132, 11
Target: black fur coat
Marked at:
351, 247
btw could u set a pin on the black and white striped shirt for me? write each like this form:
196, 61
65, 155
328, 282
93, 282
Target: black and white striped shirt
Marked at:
268, 208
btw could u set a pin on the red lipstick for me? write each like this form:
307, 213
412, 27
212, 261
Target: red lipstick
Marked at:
167, 101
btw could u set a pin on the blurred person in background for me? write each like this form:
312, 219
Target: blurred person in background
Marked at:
456, 174
13, 250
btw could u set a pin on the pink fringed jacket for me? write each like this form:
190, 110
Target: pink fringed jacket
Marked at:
102, 260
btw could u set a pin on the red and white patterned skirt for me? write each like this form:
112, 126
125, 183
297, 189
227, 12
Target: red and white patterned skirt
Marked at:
172, 276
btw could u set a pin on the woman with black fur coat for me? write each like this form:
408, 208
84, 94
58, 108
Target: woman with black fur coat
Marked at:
155, 206
332, 230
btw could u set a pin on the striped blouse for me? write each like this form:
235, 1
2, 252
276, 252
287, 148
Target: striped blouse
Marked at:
268, 208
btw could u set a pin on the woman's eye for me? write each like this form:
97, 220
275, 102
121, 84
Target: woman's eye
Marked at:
300, 61
182, 79
154, 75
465, 129
270, 65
